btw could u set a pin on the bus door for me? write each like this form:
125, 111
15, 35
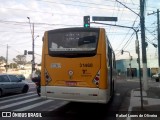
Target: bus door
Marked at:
110, 68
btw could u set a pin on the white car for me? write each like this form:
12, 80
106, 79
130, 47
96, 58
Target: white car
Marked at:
11, 84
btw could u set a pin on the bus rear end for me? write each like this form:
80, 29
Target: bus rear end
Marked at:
71, 66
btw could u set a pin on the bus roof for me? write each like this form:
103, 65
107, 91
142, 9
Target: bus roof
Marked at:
74, 28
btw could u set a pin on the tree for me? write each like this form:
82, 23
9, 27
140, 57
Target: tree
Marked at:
2, 60
13, 65
20, 59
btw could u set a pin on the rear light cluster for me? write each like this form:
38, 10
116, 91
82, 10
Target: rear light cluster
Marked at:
47, 77
96, 79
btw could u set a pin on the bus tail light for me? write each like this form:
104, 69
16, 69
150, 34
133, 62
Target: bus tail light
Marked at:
96, 79
47, 77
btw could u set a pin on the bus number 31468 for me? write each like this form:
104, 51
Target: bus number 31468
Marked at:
86, 65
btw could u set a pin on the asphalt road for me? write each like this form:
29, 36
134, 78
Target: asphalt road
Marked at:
82, 111
62, 110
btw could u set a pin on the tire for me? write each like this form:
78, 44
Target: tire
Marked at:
1, 93
25, 89
157, 80
113, 90
39, 91
39, 94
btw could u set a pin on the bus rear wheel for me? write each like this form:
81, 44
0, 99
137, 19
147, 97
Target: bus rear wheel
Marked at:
112, 92
157, 80
0, 93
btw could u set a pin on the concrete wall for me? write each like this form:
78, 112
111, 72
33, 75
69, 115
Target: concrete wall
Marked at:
25, 70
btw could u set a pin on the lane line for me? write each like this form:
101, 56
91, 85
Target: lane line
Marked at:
18, 98
19, 103
117, 94
15, 95
33, 105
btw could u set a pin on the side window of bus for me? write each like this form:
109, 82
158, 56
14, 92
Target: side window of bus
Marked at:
109, 56
113, 60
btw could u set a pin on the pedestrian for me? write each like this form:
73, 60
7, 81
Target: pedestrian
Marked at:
132, 74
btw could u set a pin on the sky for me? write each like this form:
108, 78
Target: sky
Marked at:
53, 14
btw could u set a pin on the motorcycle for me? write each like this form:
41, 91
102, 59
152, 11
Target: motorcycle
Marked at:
38, 88
37, 80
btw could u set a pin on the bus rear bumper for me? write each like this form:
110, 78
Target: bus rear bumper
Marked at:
76, 94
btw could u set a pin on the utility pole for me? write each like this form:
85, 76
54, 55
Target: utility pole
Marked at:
32, 33
7, 59
137, 51
33, 60
158, 39
139, 66
158, 35
144, 56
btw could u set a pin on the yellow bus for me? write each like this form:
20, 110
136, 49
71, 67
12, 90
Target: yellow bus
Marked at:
78, 64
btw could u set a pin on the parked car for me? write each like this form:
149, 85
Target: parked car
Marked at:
11, 84
156, 77
21, 76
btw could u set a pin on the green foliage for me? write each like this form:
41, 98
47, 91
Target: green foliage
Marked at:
20, 59
2, 59
13, 65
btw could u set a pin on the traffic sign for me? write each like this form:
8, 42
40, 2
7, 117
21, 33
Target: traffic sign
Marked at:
98, 18
30, 52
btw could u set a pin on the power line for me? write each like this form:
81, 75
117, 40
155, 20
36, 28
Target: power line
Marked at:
129, 40
127, 33
127, 7
78, 4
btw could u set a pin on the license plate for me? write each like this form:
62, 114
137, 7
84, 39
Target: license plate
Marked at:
71, 83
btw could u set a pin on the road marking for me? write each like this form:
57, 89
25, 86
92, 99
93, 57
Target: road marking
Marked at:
31, 83
15, 95
33, 105
132, 80
18, 98
58, 106
118, 94
19, 103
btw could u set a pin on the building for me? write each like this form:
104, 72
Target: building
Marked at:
123, 67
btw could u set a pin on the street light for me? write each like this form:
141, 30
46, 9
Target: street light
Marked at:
33, 49
32, 33
36, 37
30, 26
138, 53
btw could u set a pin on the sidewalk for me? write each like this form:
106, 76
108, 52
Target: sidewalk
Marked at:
151, 102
